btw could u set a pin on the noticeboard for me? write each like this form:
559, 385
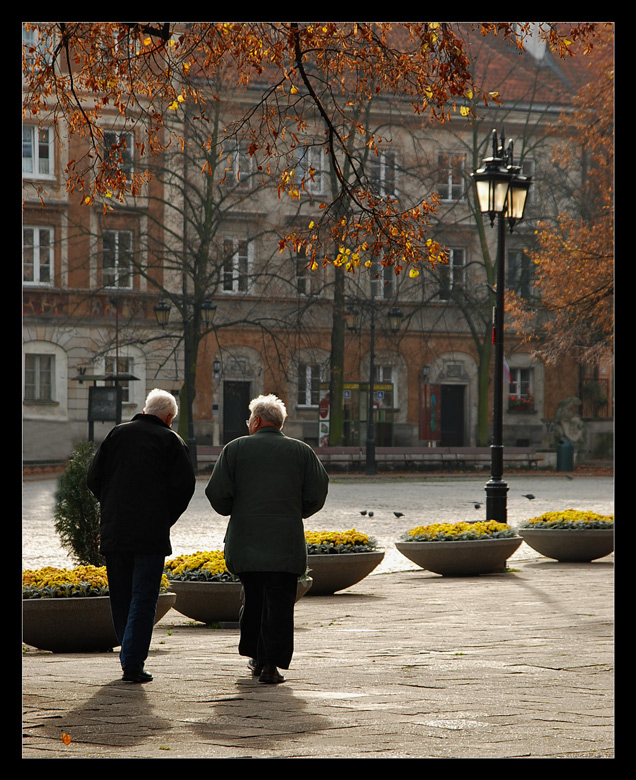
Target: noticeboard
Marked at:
104, 404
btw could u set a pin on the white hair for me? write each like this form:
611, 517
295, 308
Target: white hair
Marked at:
161, 403
269, 408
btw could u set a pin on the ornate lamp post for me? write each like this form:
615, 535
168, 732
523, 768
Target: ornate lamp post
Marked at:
162, 313
395, 320
501, 193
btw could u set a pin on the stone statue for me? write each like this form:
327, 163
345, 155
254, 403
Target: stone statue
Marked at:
569, 425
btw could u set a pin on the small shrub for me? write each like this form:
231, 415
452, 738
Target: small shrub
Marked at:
76, 511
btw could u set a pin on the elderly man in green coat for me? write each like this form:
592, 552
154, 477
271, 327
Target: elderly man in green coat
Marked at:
267, 483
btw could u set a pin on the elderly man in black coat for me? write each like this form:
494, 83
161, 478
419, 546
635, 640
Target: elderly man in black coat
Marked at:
267, 483
143, 477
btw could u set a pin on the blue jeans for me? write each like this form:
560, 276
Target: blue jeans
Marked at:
134, 580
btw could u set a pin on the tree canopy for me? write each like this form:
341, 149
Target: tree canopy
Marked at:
295, 77
571, 310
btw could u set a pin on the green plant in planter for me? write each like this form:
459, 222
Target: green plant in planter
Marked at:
570, 519
459, 532
338, 542
76, 512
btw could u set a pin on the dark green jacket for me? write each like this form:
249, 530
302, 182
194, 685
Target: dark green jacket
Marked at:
267, 483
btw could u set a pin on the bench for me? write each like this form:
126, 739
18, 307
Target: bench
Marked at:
407, 458
525, 456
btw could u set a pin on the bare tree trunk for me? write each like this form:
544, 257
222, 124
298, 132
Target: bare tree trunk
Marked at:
336, 381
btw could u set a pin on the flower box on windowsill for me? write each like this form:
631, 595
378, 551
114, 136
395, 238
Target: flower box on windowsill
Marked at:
523, 405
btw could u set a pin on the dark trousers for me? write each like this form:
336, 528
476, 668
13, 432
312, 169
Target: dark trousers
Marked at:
267, 617
134, 580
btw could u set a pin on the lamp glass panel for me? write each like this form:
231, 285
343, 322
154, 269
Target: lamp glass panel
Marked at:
492, 192
500, 193
483, 195
162, 313
208, 310
517, 199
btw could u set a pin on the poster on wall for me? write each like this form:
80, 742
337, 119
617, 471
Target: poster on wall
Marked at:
430, 412
323, 421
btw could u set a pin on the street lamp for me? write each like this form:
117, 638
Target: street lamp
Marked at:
162, 313
395, 320
501, 193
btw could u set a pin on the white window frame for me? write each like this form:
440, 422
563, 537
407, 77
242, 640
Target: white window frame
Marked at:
384, 287
238, 262
112, 276
519, 272
308, 385
56, 406
126, 365
452, 184
33, 39
42, 255
37, 139
131, 360
124, 47
521, 383
383, 172
39, 378
387, 374
112, 138
454, 272
307, 281
242, 167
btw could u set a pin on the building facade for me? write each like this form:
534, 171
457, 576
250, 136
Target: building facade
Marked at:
93, 279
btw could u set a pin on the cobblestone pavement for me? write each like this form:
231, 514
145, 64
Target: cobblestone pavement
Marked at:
405, 664
402, 665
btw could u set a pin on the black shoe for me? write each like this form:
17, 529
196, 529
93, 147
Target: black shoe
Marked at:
270, 674
136, 676
254, 667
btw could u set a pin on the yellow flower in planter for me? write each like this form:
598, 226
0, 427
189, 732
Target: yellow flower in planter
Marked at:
459, 532
570, 518
52, 582
204, 566
321, 542
570, 536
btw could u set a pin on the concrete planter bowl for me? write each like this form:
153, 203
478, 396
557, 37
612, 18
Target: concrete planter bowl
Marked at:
332, 572
216, 602
461, 558
75, 624
570, 544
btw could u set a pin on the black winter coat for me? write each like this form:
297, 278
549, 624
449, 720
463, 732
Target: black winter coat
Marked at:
142, 476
